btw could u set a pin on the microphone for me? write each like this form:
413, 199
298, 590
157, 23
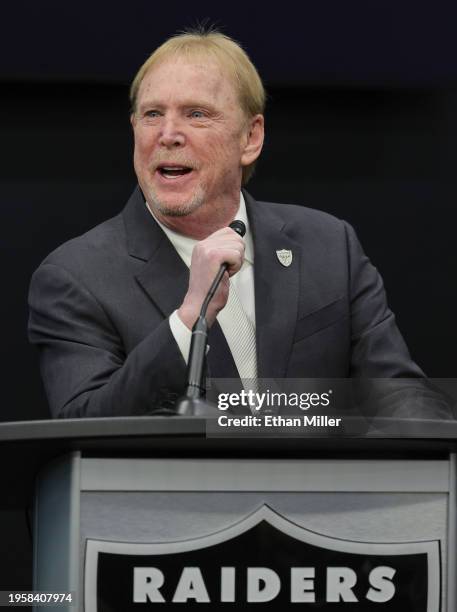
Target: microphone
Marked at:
190, 405
240, 228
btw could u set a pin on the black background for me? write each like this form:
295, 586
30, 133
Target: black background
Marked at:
361, 122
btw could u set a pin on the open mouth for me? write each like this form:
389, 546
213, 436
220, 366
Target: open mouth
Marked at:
173, 172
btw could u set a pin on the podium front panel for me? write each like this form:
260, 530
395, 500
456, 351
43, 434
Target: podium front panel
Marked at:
392, 513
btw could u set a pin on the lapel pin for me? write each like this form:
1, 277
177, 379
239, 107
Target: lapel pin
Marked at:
284, 257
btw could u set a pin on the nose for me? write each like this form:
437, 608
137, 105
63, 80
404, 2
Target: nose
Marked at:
171, 134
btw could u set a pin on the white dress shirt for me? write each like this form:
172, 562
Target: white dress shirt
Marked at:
243, 280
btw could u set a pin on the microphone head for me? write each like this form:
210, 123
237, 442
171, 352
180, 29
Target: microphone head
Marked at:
239, 227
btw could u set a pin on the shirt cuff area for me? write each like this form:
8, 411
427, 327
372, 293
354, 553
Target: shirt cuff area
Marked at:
181, 334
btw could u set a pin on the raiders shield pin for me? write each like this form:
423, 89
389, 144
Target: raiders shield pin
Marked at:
285, 257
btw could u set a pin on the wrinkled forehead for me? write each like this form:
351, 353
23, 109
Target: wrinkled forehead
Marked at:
180, 74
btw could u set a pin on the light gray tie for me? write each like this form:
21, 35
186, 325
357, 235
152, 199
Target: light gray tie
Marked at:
239, 331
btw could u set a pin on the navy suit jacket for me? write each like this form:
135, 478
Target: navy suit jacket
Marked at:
99, 306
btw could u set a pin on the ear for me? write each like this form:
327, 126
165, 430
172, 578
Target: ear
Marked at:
254, 140
133, 120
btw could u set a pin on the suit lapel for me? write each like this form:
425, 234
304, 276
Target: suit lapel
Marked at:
276, 289
165, 277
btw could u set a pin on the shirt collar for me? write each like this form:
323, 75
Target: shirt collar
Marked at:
185, 245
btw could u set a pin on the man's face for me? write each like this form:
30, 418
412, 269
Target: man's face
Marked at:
191, 140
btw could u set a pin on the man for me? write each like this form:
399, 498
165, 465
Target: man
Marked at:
111, 311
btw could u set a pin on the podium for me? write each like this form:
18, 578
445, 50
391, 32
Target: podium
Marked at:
138, 512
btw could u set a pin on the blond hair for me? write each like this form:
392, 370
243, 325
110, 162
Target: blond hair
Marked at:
228, 53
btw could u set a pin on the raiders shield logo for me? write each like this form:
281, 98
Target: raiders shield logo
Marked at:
262, 562
285, 257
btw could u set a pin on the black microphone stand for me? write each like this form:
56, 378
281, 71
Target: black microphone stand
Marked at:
193, 403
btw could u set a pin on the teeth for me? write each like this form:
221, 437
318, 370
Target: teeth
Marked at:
174, 171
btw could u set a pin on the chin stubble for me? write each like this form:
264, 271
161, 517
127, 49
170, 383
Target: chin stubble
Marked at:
181, 210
